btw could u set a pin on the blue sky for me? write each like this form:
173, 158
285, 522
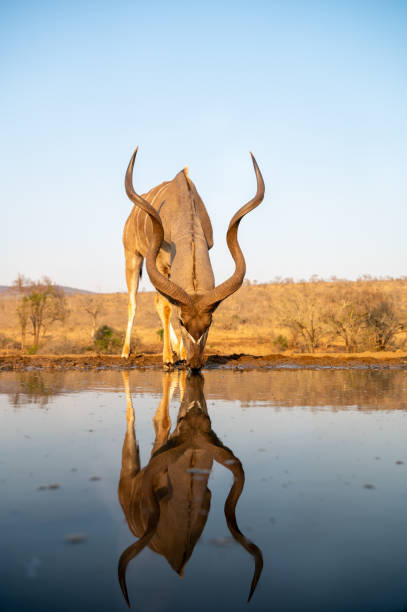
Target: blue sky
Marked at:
316, 89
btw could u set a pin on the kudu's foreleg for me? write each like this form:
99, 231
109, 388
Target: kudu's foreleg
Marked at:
163, 308
177, 344
133, 267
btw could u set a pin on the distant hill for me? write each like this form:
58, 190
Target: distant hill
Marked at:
73, 290
67, 290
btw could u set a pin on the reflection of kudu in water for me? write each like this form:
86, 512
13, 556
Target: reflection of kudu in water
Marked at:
167, 502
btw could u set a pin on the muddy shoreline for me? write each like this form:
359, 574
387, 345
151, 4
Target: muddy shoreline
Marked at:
235, 361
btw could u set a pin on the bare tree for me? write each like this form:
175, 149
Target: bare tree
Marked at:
382, 319
42, 303
344, 315
94, 307
300, 311
22, 314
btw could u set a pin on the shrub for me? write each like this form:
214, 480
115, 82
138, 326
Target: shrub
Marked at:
281, 343
6, 342
107, 340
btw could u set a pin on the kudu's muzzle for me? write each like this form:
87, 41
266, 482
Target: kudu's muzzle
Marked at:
195, 350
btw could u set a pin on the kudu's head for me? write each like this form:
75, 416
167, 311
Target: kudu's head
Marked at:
195, 321
194, 310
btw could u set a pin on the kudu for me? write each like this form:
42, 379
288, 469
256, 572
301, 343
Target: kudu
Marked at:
170, 227
167, 502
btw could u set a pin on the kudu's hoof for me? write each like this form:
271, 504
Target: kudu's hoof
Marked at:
181, 364
168, 367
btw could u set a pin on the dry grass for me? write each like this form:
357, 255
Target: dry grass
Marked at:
245, 323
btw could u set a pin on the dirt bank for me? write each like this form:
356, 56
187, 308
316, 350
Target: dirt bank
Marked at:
235, 361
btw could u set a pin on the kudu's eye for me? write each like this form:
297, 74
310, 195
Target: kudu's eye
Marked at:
181, 322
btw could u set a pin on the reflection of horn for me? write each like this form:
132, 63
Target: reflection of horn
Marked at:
158, 463
224, 456
133, 550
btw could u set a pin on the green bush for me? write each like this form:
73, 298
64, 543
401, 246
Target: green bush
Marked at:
280, 343
7, 342
107, 340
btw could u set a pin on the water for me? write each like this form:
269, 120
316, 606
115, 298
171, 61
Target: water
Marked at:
324, 498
